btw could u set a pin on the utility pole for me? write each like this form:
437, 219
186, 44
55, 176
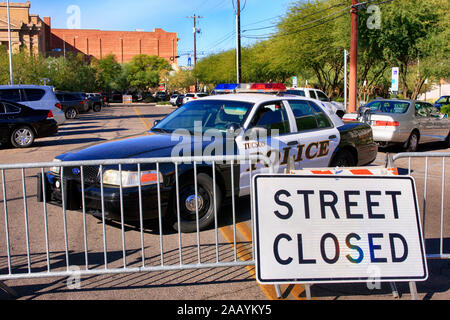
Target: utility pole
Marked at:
352, 107
238, 42
10, 46
195, 17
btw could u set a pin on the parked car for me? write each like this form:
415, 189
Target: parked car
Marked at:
442, 101
21, 125
97, 100
317, 94
405, 122
179, 101
193, 96
72, 103
35, 97
161, 96
305, 132
173, 99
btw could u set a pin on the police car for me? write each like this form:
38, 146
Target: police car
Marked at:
285, 129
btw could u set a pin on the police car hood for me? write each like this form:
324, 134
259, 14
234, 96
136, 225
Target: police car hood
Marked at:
149, 145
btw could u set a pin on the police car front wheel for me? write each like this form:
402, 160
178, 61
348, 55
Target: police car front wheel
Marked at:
195, 206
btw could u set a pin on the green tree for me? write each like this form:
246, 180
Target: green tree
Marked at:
413, 31
108, 72
144, 71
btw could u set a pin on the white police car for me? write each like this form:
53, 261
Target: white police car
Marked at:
279, 127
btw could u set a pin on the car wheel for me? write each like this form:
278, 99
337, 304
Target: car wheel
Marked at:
412, 145
97, 108
22, 137
343, 159
205, 200
71, 113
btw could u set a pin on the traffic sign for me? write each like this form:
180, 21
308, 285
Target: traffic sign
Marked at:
395, 79
330, 229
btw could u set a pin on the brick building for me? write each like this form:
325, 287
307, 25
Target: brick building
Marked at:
123, 44
28, 31
36, 35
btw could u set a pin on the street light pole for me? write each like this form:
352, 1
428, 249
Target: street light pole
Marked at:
10, 46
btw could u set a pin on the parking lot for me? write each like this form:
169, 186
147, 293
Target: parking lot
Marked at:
210, 284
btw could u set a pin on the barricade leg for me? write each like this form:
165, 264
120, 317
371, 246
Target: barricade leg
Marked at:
394, 290
413, 290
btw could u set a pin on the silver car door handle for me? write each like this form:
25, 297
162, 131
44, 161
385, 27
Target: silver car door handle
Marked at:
292, 143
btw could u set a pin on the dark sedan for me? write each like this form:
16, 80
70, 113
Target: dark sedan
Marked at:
21, 125
73, 103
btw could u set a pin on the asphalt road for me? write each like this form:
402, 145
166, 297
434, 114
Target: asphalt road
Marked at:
236, 283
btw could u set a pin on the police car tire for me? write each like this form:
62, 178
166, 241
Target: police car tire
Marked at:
206, 219
343, 159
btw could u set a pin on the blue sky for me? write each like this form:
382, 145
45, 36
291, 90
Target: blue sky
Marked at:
217, 25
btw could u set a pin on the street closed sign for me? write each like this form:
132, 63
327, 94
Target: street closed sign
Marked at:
329, 229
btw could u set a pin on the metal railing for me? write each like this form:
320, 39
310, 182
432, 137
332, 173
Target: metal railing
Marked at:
433, 173
18, 260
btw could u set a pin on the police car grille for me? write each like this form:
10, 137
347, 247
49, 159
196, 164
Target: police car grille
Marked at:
90, 174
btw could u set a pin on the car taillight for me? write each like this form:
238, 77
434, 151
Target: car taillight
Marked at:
81, 102
387, 124
58, 105
50, 114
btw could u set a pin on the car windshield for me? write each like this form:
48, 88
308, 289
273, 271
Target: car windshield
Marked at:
388, 107
300, 93
442, 100
208, 114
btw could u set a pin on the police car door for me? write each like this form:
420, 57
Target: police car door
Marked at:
270, 131
317, 136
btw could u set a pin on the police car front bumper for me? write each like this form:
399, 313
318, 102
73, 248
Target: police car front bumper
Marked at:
111, 205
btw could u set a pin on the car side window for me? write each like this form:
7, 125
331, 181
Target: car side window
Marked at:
33, 94
312, 94
322, 96
272, 117
2, 109
434, 112
421, 110
322, 120
304, 115
10, 95
9, 108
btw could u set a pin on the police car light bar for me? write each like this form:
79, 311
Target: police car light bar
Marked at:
261, 87
225, 88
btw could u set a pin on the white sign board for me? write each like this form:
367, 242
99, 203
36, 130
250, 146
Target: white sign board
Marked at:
328, 229
395, 79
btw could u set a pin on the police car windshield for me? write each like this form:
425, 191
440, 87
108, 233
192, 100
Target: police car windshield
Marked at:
205, 115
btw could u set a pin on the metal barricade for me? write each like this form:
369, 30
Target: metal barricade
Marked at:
36, 245
434, 203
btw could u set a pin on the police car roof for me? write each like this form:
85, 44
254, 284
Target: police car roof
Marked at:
254, 97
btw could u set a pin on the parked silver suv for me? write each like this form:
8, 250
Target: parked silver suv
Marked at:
36, 97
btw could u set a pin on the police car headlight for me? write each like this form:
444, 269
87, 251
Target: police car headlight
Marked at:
131, 178
56, 170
